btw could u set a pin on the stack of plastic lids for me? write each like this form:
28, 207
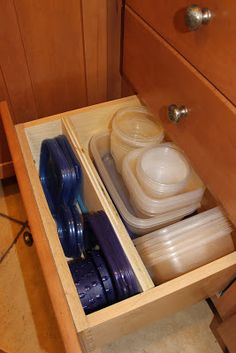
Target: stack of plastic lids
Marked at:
101, 277
136, 222
150, 203
62, 181
186, 245
133, 128
93, 282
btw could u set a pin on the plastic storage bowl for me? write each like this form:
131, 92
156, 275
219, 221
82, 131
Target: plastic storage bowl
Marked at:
150, 206
132, 128
137, 224
162, 171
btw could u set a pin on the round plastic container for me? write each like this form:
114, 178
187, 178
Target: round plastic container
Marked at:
131, 129
162, 171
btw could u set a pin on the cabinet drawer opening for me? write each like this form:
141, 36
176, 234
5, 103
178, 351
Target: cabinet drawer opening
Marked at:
81, 132
154, 302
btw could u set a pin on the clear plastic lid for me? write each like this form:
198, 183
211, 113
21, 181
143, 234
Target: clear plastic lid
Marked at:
157, 254
206, 218
189, 259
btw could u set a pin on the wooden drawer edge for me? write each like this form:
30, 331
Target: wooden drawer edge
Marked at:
133, 99
56, 292
161, 301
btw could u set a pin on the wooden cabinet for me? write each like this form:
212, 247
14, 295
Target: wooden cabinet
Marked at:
152, 303
223, 324
156, 46
57, 56
211, 48
161, 76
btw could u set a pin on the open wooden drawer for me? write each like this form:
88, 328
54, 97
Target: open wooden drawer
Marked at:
96, 329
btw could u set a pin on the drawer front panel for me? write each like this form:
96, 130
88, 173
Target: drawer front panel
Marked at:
41, 226
211, 48
207, 135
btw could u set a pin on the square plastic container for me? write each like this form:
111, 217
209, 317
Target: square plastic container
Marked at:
100, 150
192, 193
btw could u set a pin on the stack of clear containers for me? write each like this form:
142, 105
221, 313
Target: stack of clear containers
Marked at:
186, 245
138, 223
162, 171
148, 203
133, 128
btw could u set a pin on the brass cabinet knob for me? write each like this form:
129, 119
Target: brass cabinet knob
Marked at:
195, 17
175, 114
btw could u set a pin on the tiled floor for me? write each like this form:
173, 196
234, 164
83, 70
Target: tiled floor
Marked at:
27, 322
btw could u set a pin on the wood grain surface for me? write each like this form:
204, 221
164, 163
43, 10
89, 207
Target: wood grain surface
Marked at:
211, 49
57, 56
162, 77
227, 333
226, 304
95, 48
52, 34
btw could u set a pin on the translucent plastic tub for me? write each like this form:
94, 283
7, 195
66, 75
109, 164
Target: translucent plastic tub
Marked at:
162, 171
192, 194
100, 147
176, 264
133, 128
190, 228
186, 245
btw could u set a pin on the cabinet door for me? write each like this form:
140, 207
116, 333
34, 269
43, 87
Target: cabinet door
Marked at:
57, 55
211, 48
162, 77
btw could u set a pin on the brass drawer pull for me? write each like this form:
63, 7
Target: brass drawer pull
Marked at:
195, 17
175, 114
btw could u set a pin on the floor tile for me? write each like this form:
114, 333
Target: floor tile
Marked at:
185, 332
27, 321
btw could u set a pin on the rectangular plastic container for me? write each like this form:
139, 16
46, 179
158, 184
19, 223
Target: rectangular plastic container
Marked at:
100, 150
168, 253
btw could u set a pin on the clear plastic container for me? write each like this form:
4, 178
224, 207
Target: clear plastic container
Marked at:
191, 227
139, 225
192, 193
186, 245
133, 128
176, 264
160, 250
162, 171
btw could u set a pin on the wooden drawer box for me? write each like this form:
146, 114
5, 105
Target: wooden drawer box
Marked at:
96, 329
207, 135
211, 48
